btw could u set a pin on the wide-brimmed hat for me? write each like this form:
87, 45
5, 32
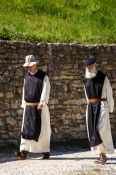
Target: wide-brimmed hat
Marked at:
89, 61
30, 60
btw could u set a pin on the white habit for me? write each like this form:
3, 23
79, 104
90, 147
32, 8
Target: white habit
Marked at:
104, 120
43, 144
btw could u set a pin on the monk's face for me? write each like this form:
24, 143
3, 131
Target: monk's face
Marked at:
32, 69
91, 68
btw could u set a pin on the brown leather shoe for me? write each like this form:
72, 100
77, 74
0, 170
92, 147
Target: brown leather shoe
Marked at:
46, 156
102, 159
22, 154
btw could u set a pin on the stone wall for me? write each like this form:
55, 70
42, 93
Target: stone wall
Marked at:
64, 65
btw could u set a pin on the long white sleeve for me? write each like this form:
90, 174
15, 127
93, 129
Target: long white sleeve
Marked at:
23, 100
107, 93
85, 94
45, 91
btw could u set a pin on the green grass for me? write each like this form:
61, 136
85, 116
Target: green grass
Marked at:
82, 21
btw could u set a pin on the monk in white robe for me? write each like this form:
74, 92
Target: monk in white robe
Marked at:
36, 130
100, 103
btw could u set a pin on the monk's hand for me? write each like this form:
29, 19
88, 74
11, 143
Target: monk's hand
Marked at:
40, 106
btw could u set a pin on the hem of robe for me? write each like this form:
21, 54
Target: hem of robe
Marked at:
33, 151
108, 145
96, 150
36, 147
43, 144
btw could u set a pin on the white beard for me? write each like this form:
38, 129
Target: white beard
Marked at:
90, 74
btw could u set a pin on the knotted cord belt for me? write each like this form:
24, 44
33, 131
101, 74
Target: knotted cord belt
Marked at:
96, 100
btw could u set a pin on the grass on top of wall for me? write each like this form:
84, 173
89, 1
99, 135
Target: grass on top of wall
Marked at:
81, 21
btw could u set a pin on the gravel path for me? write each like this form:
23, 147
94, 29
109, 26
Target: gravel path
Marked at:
60, 163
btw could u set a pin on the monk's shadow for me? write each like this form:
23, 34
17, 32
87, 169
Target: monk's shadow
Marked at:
111, 161
55, 155
8, 157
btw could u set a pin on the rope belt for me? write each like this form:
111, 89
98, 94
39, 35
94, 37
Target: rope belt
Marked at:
96, 100
32, 104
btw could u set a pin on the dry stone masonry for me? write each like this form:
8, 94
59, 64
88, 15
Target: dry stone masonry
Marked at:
64, 65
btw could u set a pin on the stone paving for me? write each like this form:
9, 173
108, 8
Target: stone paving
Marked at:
60, 163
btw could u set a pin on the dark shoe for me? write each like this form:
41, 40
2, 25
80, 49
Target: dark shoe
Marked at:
18, 154
22, 154
102, 159
46, 156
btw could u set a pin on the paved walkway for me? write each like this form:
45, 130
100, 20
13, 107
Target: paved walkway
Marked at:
60, 163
